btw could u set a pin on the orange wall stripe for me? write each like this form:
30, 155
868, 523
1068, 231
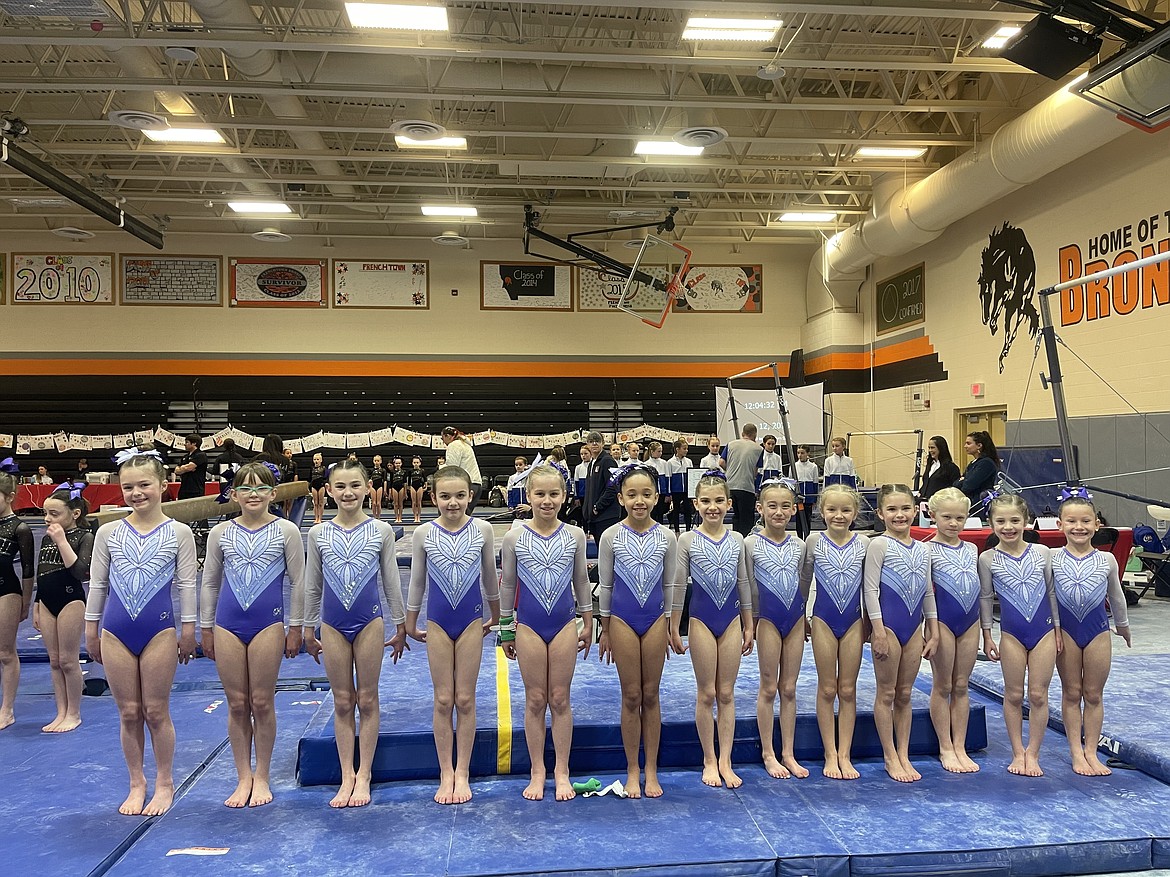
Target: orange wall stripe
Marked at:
378, 368
903, 351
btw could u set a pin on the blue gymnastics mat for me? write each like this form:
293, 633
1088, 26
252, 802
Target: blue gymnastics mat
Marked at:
62, 791
989, 823
1136, 731
406, 747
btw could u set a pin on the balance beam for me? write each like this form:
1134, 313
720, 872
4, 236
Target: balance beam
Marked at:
200, 508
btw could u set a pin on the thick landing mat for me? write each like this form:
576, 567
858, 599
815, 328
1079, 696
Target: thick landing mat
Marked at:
61, 792
987, 823
1136, 731
406, 743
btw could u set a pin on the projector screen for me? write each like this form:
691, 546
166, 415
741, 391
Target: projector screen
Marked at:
805, 414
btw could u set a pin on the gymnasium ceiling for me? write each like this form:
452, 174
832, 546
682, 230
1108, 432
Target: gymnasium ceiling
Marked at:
550, 96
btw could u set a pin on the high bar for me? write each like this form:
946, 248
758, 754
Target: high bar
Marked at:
1108, 272
752, 371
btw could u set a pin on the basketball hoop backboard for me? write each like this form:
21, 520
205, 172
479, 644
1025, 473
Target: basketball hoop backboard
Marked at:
655, 279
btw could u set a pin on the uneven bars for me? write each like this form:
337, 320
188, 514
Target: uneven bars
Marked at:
1108, 272
752, 371
889, 432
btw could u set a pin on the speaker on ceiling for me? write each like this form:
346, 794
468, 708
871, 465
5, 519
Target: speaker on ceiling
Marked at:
1050, 47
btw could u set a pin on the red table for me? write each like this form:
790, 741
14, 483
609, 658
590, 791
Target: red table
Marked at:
33, 496
1051, 538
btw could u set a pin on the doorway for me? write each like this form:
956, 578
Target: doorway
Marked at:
991, 419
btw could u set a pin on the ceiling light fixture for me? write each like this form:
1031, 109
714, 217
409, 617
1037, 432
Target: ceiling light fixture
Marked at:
259, 207
732, 29
999, 39
398, 16
807, 216
185, 135
891, 151
448, 210
404, 142
665, 147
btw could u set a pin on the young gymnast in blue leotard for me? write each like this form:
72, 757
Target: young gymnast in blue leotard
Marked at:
721, 626
137, 563
636, 562
955, 576
545, 577
1083, 578
59, 611
835, 560
351, 586
16, 543
773, 565
454, 565
1020, 574
243, 623
898, 597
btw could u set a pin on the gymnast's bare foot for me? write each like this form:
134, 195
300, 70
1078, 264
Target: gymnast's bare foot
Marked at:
969, 766
951, 761
653, 787
832, 768
1017, 765
239, 798
1099, 769
848, 771
446, 789
795, 768
564, 787
361, 792
341, 799
164, 796
774, 767
711, 774
1032, 765
534, 791
897, 770
730, 777
7, 717
634, 784
262, 794
132, 806
462, 791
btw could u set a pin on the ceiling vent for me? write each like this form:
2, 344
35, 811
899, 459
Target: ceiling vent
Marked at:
271, 236
83, 10
634, 214
418, 129
138, 120
73, 234
700, 135
450, 239
38, 202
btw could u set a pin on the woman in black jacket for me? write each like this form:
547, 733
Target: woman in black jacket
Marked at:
940, 470
983, 469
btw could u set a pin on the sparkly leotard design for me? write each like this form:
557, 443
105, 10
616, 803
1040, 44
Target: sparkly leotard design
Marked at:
955, 575
713, 569
544, 574
59, 585
454, 578
142, 569
15, 538
838, 570
254, 568
776, 572
902, 586
1082, 584
350, 563
1023, 586
638, 576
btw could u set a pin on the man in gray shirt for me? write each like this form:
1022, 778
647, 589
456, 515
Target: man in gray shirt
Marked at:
743, 464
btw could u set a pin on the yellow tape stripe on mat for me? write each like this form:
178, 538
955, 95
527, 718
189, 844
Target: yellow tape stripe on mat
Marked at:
503, 715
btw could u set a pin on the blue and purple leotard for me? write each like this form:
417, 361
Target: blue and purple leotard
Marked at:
720, 588
545, 578
897, 585
774, 572
955, 574
837, 570
457, 573
1082, 585
352, 577
633, 570
1027, 600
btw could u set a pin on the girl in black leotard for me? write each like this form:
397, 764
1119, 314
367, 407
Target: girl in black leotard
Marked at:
416, 480
377, 483
16, 542
318, 475
396, 476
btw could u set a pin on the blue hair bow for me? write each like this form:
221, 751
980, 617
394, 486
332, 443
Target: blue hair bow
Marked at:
9, 465
1077, 492
73, 487
621, 473
123, 457
715, 473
